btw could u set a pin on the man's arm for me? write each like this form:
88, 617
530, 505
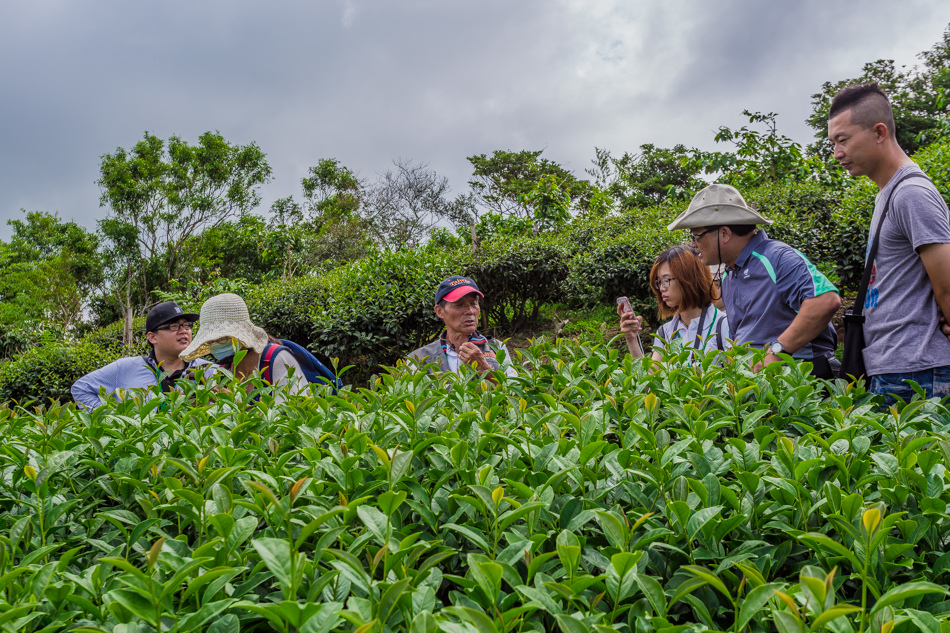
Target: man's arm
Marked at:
813, 317
86, 390
936, 261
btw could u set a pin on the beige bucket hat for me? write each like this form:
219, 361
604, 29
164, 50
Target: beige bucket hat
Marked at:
225, 315
717, 205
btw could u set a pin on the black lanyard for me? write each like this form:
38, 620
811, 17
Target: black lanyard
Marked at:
699, 330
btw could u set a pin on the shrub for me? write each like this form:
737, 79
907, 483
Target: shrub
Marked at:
380, 306
46, 373
935, 161
285, 307
591, 493
518, 277
614, 256
109, 338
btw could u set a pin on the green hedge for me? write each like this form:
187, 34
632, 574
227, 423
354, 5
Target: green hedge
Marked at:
829, 226
46, 373
373, 311
381, 306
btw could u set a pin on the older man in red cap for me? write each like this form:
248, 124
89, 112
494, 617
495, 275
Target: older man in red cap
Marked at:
456, 303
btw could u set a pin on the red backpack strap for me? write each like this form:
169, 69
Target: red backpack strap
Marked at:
267, 359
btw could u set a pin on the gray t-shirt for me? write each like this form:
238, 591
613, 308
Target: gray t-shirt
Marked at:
901, 329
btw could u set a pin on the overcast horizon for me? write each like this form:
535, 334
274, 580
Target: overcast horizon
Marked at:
433, 82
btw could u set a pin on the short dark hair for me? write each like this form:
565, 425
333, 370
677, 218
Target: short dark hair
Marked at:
868, 104
740, 229
693, 277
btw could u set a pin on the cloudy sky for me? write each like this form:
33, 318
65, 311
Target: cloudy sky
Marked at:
368, 81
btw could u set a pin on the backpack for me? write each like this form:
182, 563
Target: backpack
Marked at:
313, 369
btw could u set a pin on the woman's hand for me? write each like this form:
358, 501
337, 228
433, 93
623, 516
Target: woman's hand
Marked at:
630, 324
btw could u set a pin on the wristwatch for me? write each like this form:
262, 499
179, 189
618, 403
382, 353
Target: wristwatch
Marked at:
776, 348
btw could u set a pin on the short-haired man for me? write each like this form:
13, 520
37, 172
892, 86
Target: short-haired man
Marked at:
168, 329
909, 290
774, 297
456, 304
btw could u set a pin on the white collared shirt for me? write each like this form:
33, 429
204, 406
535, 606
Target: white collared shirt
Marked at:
676, 329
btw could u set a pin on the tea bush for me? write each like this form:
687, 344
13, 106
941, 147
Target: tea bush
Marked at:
518, 278
381, 307
46, 373
935, 161
591, 492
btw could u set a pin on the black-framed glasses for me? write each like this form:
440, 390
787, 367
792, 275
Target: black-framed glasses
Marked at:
695, 237
175, 327
664, 282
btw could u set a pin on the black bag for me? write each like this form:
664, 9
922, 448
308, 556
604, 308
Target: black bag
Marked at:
852, 356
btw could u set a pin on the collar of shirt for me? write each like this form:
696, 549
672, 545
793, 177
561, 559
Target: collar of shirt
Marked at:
688, 333
757, 240
475, 337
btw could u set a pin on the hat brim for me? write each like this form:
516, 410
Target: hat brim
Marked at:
460, 292
248, 334
716, 215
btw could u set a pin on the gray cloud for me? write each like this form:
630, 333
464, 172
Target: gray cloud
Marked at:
366, 82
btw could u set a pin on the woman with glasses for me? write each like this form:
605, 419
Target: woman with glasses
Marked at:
685, 291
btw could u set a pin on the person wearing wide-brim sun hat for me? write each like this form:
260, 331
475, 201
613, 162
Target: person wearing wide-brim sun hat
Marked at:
774, 296
225, 328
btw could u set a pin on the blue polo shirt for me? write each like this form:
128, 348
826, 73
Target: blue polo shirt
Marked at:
764, 291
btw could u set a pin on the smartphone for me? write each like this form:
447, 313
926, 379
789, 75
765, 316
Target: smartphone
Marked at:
623, 301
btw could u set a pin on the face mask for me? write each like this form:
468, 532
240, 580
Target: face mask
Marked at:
222, 350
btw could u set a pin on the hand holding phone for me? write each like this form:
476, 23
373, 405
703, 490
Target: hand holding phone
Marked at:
630, 323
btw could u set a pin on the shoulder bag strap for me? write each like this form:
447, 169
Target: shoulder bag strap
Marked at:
698, 342
719, 342
858, 308
267, 359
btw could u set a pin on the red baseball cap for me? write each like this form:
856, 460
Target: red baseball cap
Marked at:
454, 288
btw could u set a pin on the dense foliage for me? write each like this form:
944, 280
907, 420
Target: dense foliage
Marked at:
589, 493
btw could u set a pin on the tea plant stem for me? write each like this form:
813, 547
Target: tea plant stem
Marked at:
864, 586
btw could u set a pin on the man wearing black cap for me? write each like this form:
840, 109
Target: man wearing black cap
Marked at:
456, 303
168, 329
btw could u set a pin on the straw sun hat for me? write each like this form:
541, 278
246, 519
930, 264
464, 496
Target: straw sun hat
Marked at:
225, 315
717, 205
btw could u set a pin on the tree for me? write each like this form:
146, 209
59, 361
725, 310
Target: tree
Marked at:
759, 157
160, 195
500, 181
647, 178
167, 195
47, 271
918, 97
549, 203
407, 202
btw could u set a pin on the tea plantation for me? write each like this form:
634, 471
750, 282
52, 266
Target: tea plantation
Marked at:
588, 494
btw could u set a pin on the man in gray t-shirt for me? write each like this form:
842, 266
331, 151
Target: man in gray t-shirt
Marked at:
910, 278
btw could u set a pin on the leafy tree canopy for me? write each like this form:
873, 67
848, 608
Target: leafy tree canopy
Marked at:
47, 271
919, 97
647, 178
501, 181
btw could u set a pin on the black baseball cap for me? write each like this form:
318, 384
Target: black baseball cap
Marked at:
454, 288
165, 312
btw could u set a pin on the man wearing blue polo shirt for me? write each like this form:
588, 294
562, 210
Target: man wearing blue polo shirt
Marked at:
774, 297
